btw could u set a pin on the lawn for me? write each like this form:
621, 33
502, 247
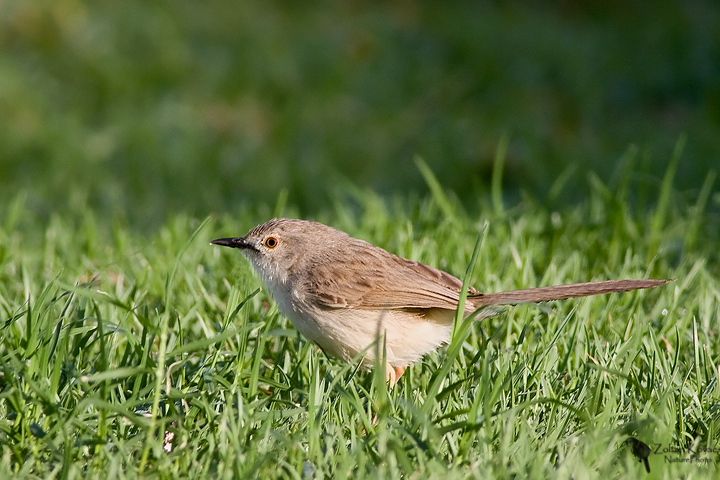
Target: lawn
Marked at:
129, 355
513, 144
149, 107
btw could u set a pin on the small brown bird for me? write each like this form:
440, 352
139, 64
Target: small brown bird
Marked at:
344, 293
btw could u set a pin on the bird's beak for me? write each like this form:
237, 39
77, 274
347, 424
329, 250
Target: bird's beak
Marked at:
238, 242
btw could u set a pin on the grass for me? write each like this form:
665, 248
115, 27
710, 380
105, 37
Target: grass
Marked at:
114, 340
159, 107
120, 326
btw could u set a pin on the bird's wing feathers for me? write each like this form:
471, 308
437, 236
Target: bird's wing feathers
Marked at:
401, 284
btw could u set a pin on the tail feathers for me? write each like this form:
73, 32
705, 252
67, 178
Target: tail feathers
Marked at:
561, 292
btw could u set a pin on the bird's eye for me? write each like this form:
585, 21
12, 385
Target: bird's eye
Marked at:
271, 242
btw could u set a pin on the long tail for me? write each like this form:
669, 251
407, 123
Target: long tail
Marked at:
561, 292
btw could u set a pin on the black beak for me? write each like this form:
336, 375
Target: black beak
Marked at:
238, 242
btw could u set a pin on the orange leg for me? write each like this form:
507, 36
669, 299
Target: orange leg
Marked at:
393, 374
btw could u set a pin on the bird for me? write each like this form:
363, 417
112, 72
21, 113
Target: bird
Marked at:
345, 294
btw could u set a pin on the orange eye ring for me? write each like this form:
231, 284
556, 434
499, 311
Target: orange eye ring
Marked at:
271, 242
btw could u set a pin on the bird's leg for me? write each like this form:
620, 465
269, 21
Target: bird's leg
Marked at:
393, 374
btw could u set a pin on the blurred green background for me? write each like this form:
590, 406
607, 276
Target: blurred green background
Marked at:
146, 108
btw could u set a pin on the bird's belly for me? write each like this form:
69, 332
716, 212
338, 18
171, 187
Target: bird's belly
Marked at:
346, 333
